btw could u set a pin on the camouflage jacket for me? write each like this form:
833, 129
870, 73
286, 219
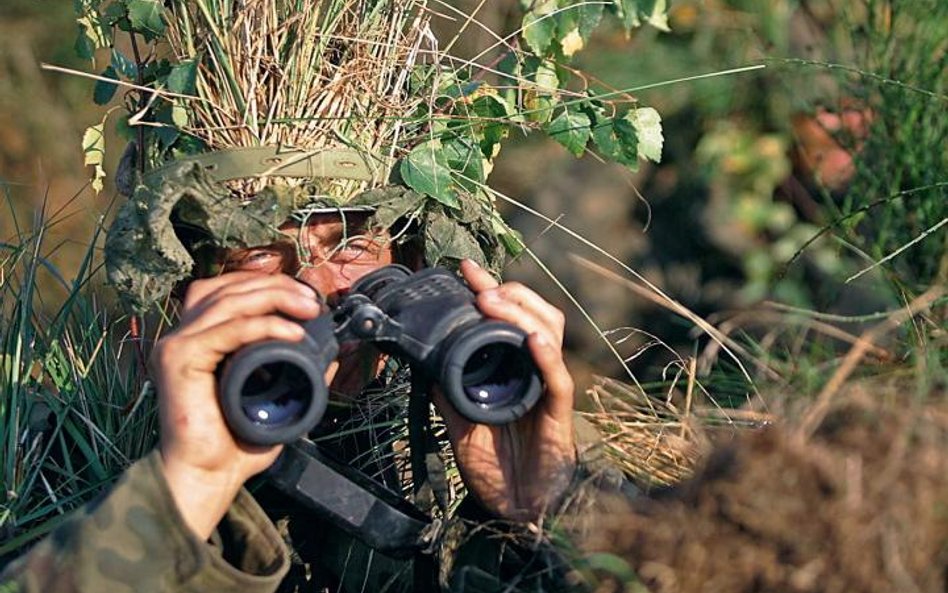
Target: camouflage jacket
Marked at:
134, 539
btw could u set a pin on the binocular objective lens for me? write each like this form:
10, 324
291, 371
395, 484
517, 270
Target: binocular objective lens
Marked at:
275, 394
495, 375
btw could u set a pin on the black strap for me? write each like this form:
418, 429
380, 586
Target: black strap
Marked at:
429, 483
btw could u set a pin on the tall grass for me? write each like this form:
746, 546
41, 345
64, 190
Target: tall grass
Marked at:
74, 407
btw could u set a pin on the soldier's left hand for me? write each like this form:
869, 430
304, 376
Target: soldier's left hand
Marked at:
518, 470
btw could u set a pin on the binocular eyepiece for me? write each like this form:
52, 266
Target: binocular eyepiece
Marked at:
275, 391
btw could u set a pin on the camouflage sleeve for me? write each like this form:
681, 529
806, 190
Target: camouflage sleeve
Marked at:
135, 540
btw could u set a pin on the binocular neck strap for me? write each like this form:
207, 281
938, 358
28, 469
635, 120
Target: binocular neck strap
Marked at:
429, 479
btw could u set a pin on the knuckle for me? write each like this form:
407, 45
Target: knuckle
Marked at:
196, 290
161, 354
559, 317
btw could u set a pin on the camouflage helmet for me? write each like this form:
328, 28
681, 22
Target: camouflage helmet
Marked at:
185, 207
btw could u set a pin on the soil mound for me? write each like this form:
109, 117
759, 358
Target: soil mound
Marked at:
860, 505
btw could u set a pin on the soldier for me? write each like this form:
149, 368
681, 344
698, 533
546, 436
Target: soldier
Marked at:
152, 531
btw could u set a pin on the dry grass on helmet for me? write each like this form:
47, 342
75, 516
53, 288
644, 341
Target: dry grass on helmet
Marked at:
301, 74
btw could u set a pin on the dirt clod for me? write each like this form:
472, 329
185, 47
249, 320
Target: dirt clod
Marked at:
862, 505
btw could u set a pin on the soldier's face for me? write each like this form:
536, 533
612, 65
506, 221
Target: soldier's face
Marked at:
329, 252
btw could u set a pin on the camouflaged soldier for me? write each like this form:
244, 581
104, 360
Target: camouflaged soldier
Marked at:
179, 520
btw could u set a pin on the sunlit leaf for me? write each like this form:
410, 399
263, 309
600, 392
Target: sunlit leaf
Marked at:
93, 149
648, 128
636, 12
179, 115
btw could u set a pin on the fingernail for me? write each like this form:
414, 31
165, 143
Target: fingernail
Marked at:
490, 296
471, 262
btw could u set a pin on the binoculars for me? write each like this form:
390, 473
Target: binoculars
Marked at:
275, 391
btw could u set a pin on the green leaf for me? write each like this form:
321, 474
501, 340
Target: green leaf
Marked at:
655, 13
575, 25
466, 160
156, 71
572, 130
93, 147
115, 12
496, 112
590, 14
510, 239
146, 17
546, 78
183, 77
104, 91
426, 170
93, 33
57, 367
541, 100
168, 133
611, 564
634, 12
84, 47
123, 65
125, 131
648, 128
463, 88
539, 28
187, 145
616, 139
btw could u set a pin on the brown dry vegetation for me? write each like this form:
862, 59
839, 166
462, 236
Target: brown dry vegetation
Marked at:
860, 505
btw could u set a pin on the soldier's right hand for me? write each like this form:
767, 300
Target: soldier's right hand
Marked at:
203, 464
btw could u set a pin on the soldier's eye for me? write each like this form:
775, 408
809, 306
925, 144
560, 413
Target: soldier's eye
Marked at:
255, 260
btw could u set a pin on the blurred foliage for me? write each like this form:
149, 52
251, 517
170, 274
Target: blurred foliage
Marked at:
848, 113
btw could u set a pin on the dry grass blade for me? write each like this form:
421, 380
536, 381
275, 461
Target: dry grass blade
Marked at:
649, 440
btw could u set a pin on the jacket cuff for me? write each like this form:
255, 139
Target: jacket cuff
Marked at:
251, 556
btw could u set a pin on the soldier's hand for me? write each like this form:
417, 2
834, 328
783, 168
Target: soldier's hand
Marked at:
518, 470
203, 463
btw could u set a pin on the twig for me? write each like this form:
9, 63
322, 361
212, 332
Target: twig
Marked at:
159, 92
